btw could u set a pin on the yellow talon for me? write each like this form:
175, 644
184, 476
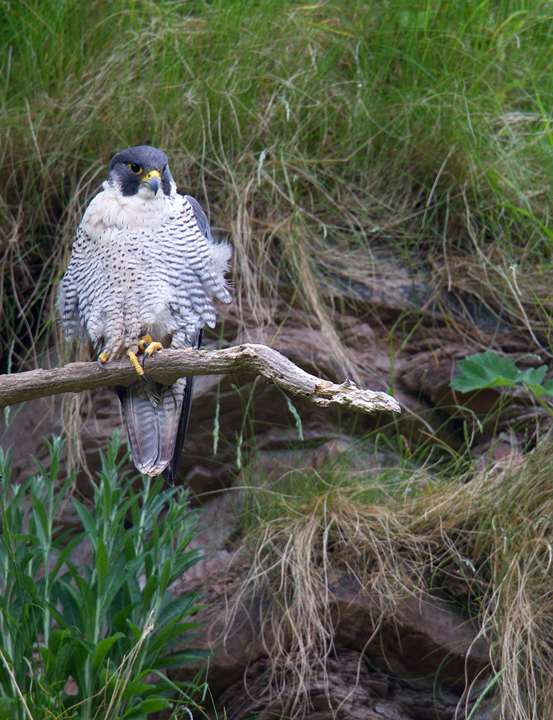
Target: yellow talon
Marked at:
102, 358
145, 342
137, 366
152, 348
147, 346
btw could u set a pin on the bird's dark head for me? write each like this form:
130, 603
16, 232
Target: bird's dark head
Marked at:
142, 171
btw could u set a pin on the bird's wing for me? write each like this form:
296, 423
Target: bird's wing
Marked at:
68, 292
201, 217
209, 260
171, 470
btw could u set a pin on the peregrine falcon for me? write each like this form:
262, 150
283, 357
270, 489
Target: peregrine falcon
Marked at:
143, 275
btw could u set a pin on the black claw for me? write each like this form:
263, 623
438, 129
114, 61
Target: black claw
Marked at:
144, 361
145, 379
100, 363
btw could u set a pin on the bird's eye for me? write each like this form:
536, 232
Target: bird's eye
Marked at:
136, 169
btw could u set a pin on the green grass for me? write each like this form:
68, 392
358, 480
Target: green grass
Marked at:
317, 135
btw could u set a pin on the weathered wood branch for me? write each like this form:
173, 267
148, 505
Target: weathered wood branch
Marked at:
166, 366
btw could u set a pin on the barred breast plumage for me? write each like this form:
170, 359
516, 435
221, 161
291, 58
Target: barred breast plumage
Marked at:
144, 263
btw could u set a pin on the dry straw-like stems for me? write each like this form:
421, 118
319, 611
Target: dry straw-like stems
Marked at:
497, 532
294, 558
486, 540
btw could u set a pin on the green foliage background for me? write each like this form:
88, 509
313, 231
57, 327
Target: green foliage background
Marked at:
315, 134
104, 621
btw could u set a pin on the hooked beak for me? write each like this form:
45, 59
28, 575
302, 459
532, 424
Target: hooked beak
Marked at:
152, 180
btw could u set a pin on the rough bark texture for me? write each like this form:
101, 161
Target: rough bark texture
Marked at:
169, 365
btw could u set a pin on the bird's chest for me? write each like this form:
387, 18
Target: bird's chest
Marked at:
129, 239
127, 259
132, 277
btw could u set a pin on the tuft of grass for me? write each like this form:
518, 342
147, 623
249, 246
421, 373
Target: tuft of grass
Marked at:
302, 526
486, 545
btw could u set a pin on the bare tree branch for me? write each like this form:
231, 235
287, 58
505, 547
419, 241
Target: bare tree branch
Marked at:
166, 366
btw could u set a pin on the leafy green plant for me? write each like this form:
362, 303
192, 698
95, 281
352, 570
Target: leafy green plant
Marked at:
110, 624
486, 370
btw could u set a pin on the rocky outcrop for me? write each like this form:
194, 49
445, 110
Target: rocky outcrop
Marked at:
348, 689
423, 660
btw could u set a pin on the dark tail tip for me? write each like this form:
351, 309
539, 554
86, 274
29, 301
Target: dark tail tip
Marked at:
168, 475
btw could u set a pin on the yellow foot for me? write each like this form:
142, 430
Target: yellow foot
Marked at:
151, 349
144, 342
102, 358
148, 347
137, 366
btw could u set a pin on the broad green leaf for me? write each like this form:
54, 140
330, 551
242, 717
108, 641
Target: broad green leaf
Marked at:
64, 554
57, 616
548, 387
71, 604
40, 512
181, 658
136, 631
485, 370
87, 520
103, 646
176, 609
101, 559
163, 638
149, 590
120, 618
155, 703
165, 575
534, 376
134, 688
115, 578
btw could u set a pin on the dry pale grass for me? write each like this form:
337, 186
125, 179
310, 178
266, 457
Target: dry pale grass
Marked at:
487, 541
502, 522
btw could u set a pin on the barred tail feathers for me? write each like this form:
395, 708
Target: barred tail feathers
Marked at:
172, 469
153, 416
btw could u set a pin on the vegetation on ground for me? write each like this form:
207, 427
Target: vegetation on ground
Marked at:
326, 139
481, 539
